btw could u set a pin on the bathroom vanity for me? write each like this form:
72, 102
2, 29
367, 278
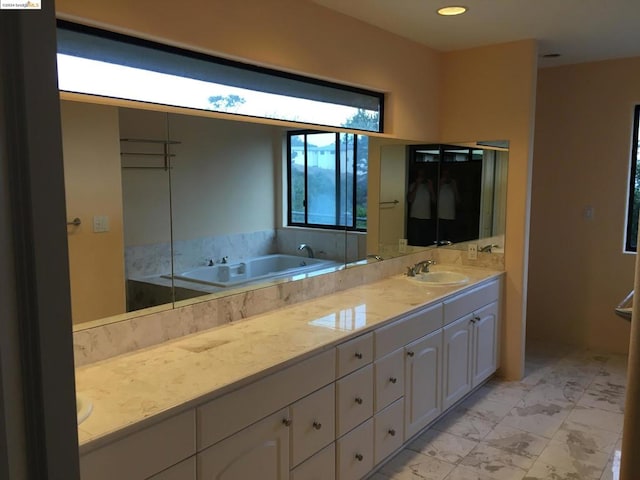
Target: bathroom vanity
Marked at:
324, 389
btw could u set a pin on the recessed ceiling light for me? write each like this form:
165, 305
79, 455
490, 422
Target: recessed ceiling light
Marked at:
448, 11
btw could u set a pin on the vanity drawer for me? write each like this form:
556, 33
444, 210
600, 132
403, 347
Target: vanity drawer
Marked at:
465, 303
389, 379
322, 466
354, 457
313, 423
234, 411
354, 354
144, 453
354, 399
389, 430
185, 470
401, 332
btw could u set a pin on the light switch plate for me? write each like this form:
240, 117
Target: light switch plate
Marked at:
402, 245
472, 251
100, 223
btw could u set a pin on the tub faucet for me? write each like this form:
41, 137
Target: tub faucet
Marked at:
487, 248
376, 256
304, 246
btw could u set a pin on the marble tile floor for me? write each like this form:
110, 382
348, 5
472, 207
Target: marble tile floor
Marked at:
563, 421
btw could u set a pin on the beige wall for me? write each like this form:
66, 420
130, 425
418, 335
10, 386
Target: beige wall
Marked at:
489, 94
578, 272
291, 35
93, 187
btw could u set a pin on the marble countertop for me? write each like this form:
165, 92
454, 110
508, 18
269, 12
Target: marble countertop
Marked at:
134, 390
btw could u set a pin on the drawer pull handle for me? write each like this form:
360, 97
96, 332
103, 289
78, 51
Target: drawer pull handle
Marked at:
392, 432
410, 353
476, 318
286, 422
317, 425
359, 457
359, 400
358, 355
393, 380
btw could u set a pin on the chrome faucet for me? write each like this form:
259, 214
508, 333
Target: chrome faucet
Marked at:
373, 255
487, 248
420, 267
304, 246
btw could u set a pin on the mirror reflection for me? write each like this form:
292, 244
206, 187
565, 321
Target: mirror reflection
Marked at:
442, 195
177, 208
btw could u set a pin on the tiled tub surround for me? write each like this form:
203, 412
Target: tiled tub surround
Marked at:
180, 374
562, 421
99, 341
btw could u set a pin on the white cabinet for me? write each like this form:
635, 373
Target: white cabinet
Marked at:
322, 466
354, 399
389, 430
471, 342
355, 452
185, 470
312, 423
389, 379
259, 451
485, 343
457, 360
423, 371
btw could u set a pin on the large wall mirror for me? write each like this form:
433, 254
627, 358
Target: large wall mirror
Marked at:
178, 208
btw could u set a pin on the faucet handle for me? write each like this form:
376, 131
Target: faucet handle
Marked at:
411, 272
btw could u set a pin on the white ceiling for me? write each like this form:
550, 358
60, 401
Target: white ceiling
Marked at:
580, 30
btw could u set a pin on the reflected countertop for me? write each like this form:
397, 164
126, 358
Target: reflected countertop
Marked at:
134, 390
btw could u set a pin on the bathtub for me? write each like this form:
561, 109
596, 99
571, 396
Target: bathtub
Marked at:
252, 269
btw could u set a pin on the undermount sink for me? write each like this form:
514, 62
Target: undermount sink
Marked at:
84, 407
442, 278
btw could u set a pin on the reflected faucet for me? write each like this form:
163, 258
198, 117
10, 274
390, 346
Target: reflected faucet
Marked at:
304, 246
487, 248
377, 257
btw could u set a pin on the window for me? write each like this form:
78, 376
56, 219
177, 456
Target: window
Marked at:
634, 188
327, 180
98, 62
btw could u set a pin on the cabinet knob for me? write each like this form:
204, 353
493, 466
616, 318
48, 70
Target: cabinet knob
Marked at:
358, 355
410, 353
393, 379
359, 457
359, 400
317, 425
286, 422
392, 432
476, 318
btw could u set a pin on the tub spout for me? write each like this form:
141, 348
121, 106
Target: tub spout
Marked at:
304, 246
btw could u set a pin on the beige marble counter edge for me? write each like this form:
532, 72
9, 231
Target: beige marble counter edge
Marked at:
92, 436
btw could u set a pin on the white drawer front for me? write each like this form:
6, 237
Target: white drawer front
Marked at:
465, 303
354, 399
389, 434
185, 470
354, 354
415, 325
234, 411
312, 423
144, 453
322, 466
355, 452
389, 379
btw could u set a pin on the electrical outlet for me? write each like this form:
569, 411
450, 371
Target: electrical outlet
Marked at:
472, 251
100, 223
402, 245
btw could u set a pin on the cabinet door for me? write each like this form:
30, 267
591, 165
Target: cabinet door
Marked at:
259, 451
485, 331
423, 374
354, 399
457, 360
389, 379
388, 430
